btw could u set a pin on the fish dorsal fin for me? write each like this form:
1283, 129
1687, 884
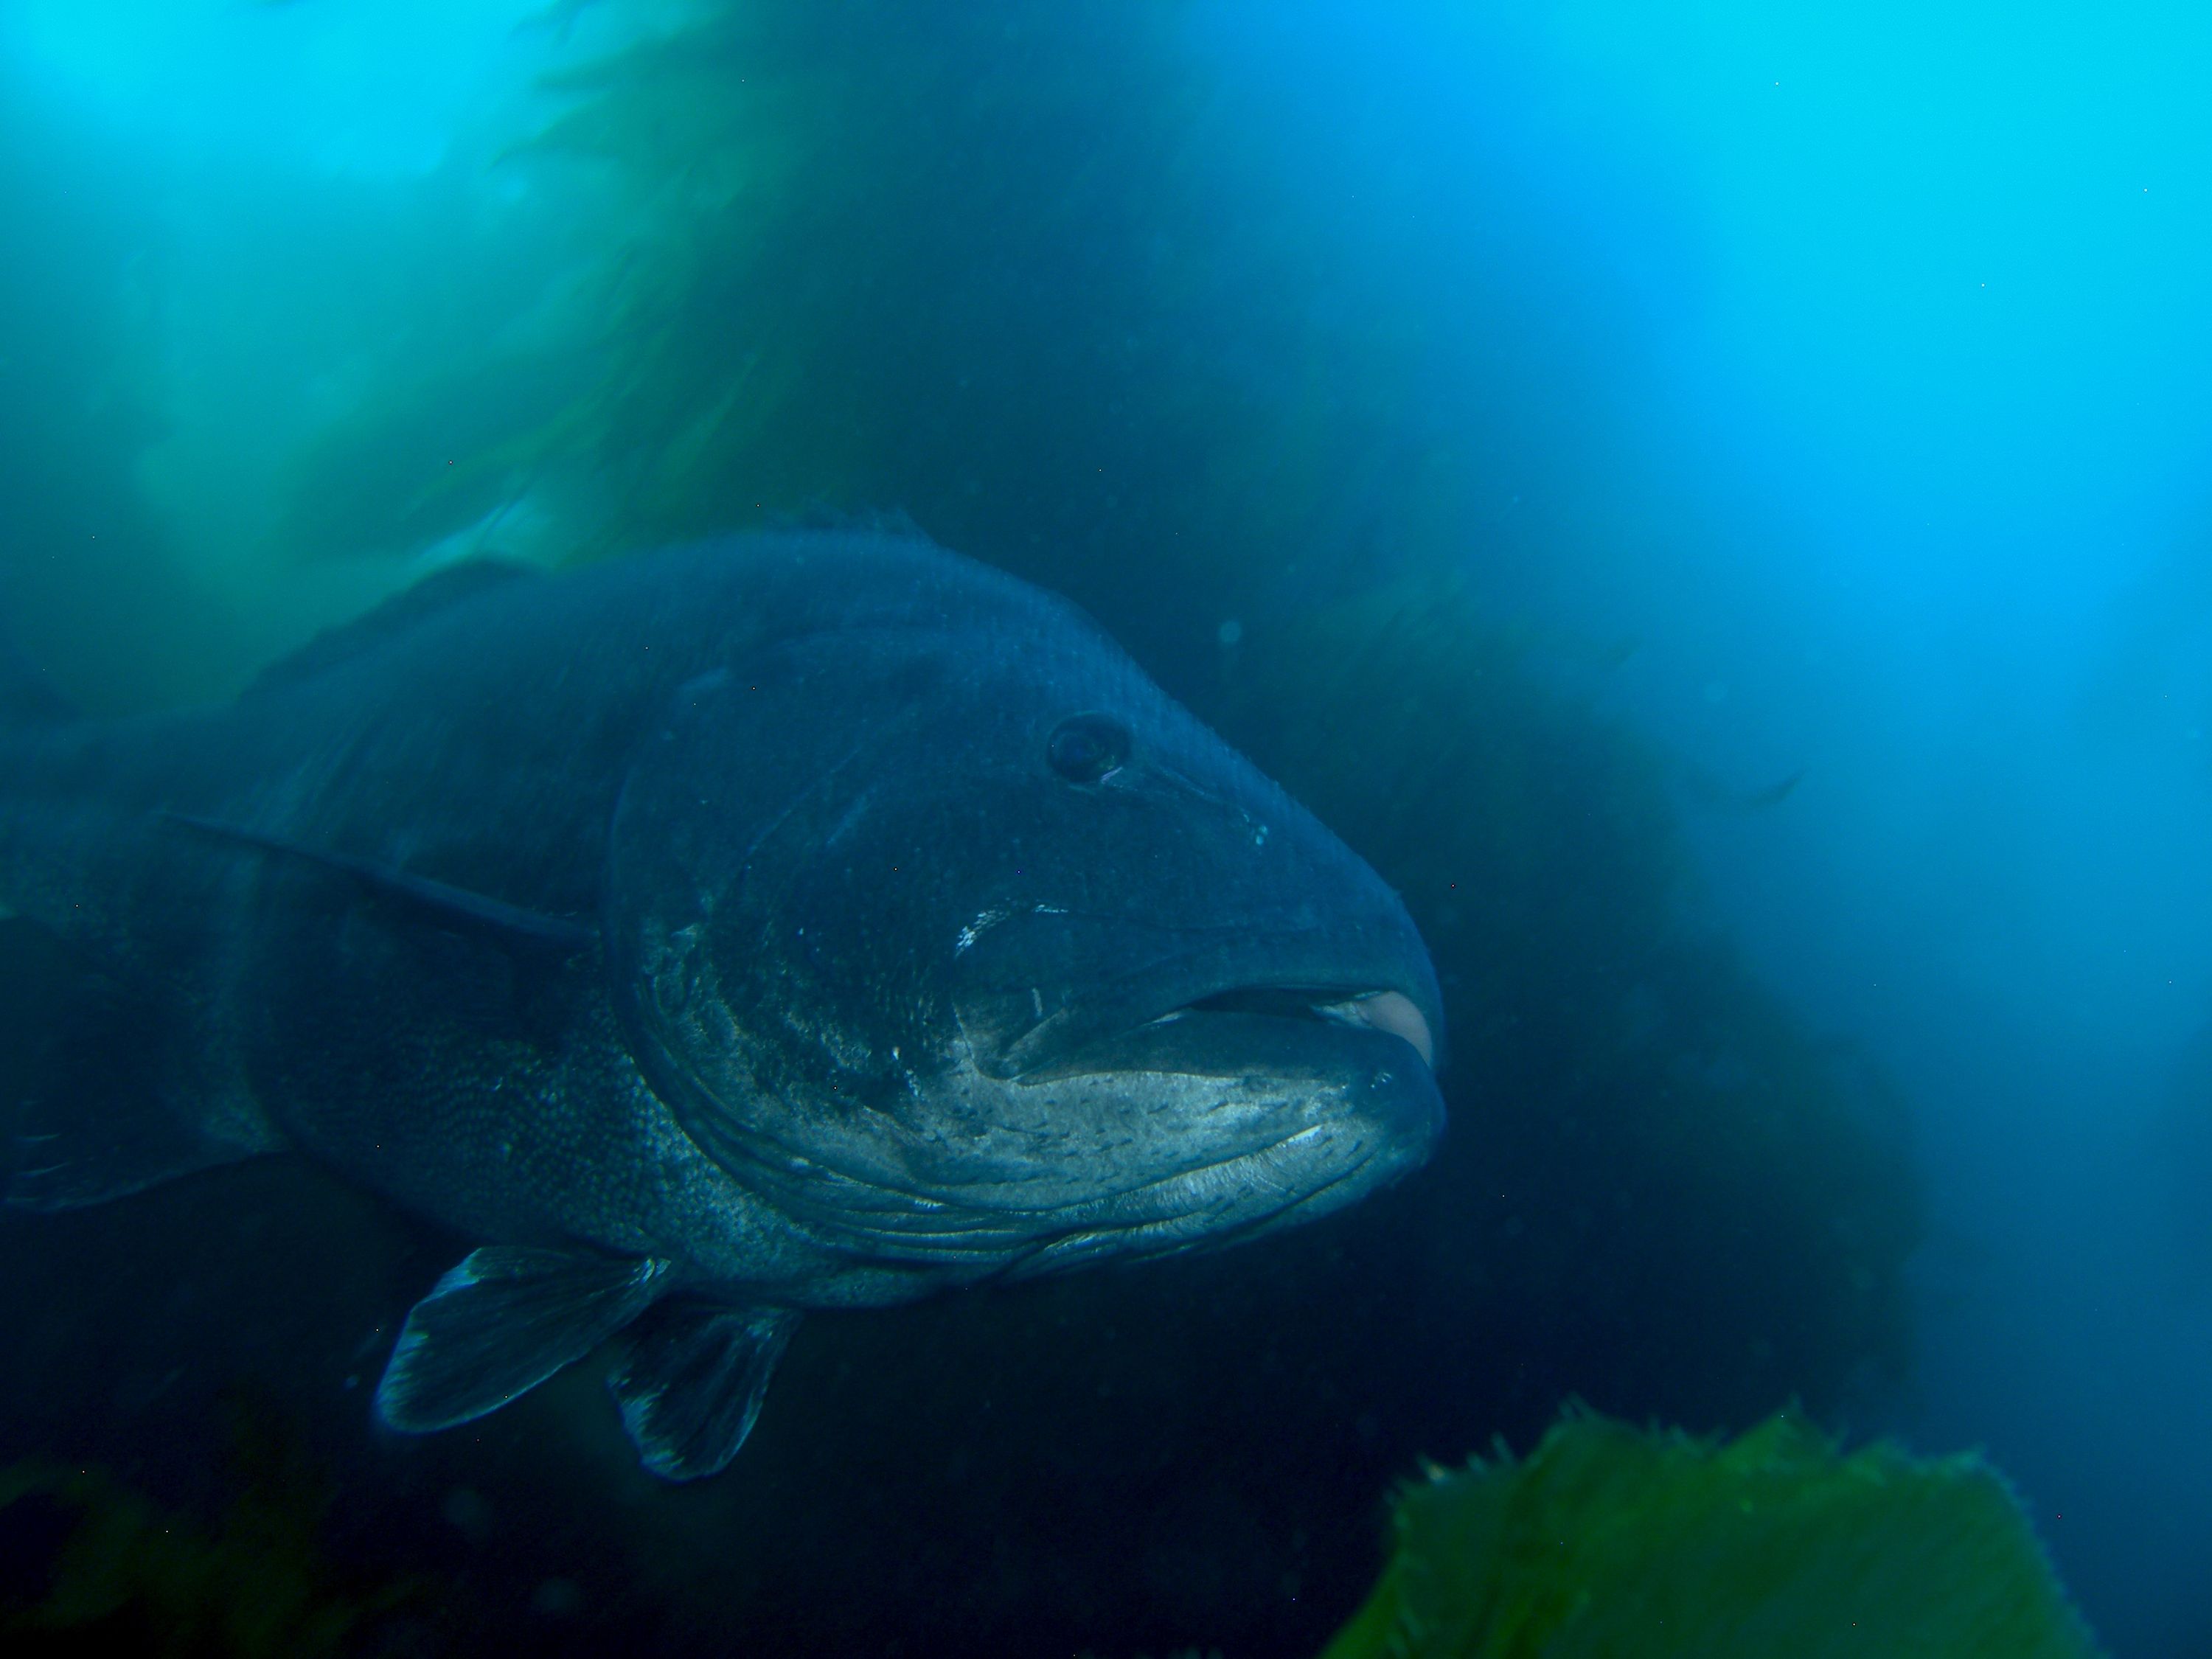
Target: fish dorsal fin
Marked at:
692, 1383
458, 906
399, 614
501, 1323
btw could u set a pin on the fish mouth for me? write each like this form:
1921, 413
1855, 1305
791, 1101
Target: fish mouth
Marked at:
1220, 1029
1048, 992
1200, 1110
1393, 1011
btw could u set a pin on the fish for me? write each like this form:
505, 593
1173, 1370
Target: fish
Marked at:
783, 921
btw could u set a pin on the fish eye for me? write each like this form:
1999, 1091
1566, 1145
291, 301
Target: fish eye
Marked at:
1084, 748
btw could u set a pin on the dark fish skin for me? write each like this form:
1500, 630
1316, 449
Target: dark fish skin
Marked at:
823, 917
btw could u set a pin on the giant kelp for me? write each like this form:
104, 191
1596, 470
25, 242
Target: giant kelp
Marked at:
93, 1566
1009, 268
1606, 1541
83, 572
1015, 270
1652, 1156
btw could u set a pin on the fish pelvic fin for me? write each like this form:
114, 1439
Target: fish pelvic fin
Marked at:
691, 1382
504, 1320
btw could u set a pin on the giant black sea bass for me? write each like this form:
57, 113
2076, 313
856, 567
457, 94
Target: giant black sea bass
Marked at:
808, 921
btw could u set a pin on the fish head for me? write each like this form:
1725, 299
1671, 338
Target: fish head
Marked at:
960, 941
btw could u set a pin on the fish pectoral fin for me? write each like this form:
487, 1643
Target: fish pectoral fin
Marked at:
692, 1382
501, 1323
457, 907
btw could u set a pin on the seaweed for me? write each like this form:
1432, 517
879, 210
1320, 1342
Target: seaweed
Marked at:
1650, 1153
1016, 270
1607, 1540
87, 588
94, 1565
991, 266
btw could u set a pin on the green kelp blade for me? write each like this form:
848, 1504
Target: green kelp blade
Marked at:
1608, 1541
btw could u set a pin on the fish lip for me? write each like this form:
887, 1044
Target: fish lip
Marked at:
1380, 1008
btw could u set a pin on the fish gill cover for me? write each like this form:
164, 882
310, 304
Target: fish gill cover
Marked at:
1014, 271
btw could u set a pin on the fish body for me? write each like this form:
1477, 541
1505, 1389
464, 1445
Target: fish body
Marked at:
779, 922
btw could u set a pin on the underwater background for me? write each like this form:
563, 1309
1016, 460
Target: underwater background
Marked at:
1711, 500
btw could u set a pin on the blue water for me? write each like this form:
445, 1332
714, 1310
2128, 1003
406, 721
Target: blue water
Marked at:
1829, 388
1887, 338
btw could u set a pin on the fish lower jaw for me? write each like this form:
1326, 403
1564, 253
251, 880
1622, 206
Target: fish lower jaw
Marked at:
942, 1244
1231, 1202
